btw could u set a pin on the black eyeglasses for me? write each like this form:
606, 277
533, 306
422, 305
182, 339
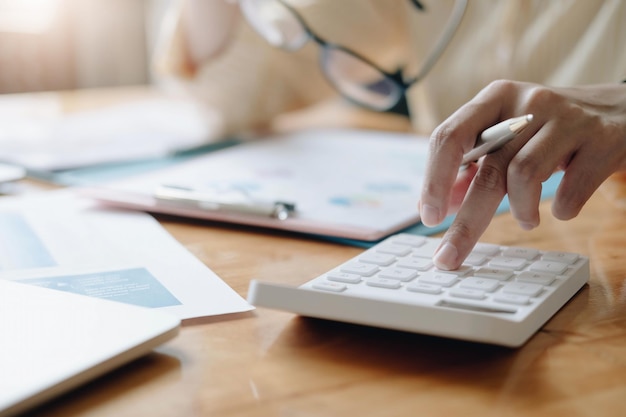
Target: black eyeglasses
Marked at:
355, 77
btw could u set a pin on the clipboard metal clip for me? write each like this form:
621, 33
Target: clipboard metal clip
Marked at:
184, 196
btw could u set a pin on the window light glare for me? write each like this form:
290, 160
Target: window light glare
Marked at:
27, 16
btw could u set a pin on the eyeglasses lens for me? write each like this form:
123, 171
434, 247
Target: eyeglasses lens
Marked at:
275, 22
358, 80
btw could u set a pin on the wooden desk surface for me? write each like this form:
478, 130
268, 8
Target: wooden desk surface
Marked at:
270, 363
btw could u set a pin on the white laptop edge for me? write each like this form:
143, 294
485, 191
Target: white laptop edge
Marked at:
121, 334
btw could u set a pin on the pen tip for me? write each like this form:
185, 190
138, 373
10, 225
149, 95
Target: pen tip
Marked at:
518, 124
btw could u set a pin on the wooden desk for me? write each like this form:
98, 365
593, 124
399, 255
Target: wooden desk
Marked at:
271, 363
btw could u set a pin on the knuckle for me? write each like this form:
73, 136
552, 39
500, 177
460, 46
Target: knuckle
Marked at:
444, 135
431, 188
541, 97
461, 232
490, 178
453, 130
440, 135
525, 168
463, 235
602, 127
501, 86
445, 140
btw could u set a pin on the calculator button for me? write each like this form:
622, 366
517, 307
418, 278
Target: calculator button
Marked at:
424, 288
475, 259
383, 283
398, 250
552, 267
535, 278
494, 273
567, 258
403, 274
344, 277
467, 293
461, 271
329, 286
516, 299
382, 259
409, 240
365, 270
528, 254
522, 288
507, 262
421, 264
427, 250
477, 283
486, 249
438, 278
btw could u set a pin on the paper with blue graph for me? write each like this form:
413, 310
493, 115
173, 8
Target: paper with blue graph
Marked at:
56, 240
343, 183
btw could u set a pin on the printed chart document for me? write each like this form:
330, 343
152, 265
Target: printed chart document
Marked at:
56, 240
38, 135
344, 183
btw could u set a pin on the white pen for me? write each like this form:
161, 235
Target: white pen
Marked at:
184, 196
495, 137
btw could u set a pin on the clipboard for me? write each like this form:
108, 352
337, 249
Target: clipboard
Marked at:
342, 183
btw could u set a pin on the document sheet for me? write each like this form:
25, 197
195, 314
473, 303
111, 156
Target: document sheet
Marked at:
37, 134
343, 183
57, 240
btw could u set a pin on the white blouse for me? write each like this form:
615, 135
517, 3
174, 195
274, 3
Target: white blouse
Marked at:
234, 71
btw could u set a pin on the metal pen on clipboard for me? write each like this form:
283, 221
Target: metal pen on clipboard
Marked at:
189, 197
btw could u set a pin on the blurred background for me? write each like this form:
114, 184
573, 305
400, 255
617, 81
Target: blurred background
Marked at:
66, 44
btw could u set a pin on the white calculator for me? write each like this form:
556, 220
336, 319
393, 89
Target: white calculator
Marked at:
501, 295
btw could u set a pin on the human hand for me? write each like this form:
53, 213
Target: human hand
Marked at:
580, 130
